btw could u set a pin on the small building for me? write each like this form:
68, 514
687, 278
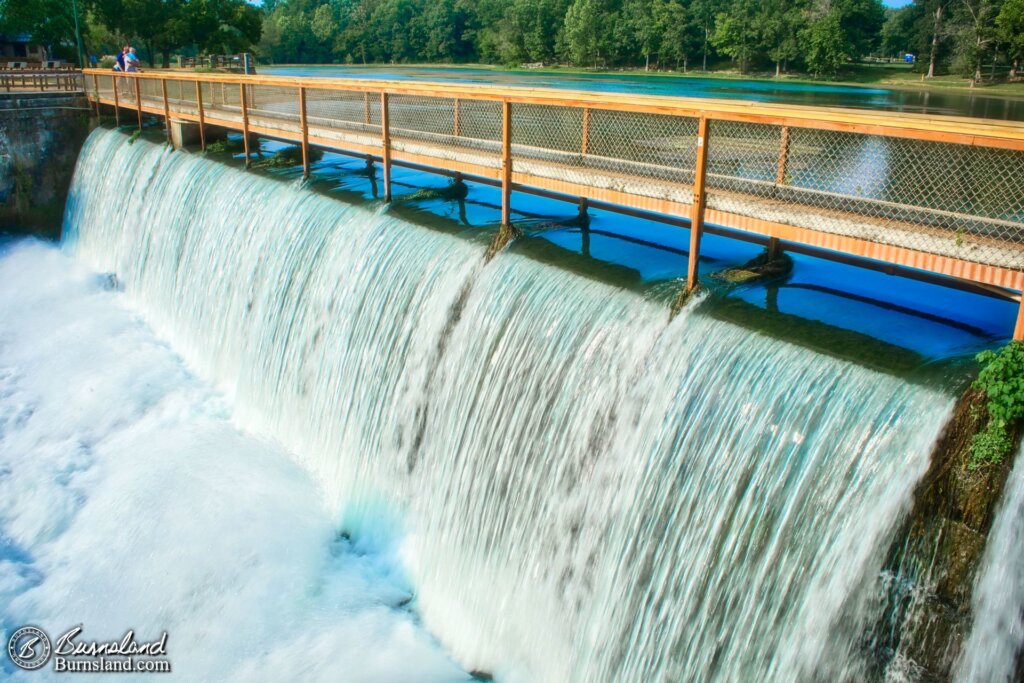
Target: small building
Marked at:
20, 48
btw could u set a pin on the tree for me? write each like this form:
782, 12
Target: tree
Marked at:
585, 23
860, 22
737, 32
165, 25
975, 34
642, 20
1010, 30
826, 46
899, 35
780, 23
683, 35
936, 9
49, 22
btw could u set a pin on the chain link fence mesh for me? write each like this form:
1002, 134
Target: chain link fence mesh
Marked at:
941, 198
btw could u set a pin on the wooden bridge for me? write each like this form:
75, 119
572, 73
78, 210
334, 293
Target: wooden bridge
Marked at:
932, 197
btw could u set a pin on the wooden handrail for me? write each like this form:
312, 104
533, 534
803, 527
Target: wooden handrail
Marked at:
763, 209
949, 129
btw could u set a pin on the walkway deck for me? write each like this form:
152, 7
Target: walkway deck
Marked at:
939, 194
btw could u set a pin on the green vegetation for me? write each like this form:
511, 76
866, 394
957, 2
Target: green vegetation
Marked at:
855, 40
1002, 380
157, 27
226, 146
451, 191
287, 157
977, 39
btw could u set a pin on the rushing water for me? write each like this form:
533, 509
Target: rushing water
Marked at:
994, 652
584, 490
129, 500
820, 94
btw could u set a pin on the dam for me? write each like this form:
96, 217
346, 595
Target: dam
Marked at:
528, 470
935, 194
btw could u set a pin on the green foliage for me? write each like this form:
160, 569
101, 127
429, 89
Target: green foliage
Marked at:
817, 36
226, 146
162, 26
287, 157
1010, 27
826, 46
737, 31
49, 22
1002, 380
990, 446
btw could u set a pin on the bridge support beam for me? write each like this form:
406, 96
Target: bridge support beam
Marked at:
202, 116
699, 204
1018, 330
244, 100
167, 110
117, 103
507, 232
138, 100
385, 133
305, 132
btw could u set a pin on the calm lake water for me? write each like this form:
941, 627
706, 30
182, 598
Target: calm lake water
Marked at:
952, 103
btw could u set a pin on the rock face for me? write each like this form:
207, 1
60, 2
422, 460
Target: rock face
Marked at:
40, 137
935, 558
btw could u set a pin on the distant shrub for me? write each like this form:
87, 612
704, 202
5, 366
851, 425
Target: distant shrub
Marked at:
107, 63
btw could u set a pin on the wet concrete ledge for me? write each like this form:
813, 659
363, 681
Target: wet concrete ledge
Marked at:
41, 134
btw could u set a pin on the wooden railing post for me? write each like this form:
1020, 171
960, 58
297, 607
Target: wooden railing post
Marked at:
385, 141
699, 201
167, 109
138, 99
244, 100
202, 115
117, 102
305, 132
781, 173
457, 115
366, 108
506, 163
96, 92
586, 131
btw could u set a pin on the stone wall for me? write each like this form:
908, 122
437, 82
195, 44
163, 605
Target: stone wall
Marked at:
40, 137
934, 559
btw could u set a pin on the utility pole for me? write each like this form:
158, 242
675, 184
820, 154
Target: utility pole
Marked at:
78, 35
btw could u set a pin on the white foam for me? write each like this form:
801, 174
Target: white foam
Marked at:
128, 500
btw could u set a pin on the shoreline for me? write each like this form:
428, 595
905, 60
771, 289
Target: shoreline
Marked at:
1013, 91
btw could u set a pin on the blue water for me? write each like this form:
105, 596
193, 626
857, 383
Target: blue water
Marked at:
936, 322
894, 99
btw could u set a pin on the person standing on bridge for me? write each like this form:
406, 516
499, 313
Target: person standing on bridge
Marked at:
131, 62
119, 66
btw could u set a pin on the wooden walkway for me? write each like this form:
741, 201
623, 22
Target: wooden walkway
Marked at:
944, 195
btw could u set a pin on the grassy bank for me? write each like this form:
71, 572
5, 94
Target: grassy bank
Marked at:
865, 75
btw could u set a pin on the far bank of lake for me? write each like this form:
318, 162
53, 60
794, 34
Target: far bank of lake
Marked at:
946, 101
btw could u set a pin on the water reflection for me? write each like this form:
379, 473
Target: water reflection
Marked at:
904, 100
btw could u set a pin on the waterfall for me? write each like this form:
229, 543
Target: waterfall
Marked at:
586, 492
993, 651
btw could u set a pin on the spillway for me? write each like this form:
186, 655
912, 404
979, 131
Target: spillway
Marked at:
585, 490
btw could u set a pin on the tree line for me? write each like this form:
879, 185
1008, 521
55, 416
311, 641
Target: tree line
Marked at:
814, 36
159, 28
977, 38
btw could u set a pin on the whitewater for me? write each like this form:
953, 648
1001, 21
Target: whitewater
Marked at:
129, 499
360, 432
